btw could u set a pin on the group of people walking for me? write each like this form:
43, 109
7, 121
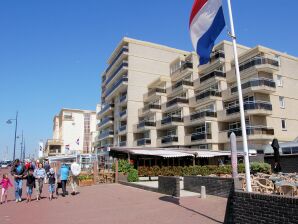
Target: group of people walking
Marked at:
36, 175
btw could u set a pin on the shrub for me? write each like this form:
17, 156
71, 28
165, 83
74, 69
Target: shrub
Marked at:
85, 177
132, 175
256, 167
123, 166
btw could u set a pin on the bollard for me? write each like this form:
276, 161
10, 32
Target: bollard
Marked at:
203, 192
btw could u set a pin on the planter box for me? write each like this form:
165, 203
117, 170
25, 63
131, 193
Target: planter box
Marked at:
122, 177
83, 183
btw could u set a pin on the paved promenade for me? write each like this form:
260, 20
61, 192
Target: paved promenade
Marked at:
114, 203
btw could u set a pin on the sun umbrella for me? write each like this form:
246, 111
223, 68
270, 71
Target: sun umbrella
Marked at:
275, 146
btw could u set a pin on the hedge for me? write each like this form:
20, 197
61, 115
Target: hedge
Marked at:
200, 170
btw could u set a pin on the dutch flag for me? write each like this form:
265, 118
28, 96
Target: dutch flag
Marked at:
206, 23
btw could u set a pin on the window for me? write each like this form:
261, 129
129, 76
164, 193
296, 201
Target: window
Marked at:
283, 124
282, 102
279, 81
171, 132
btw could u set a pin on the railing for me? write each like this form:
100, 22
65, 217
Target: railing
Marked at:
250, 105
123, 64
217, 54
151, 106
123, 143
257, 61
54, 142
184, 66
146, 124
122, 113
124, 49
106, 107
182, 82
168, 120
122, 128
106, 134
176, 100
143, 141
116, 85
207, 93
255, 82
210, 75
253, 130
200, 136
105, 120
202, 114
155, 90
169, 138
122, 98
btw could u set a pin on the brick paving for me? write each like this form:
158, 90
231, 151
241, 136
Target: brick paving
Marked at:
114, 203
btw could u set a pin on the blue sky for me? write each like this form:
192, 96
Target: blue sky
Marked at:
53, 52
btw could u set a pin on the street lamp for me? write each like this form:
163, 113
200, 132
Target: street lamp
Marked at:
15, 133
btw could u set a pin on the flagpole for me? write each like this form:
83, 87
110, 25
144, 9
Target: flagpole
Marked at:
242, 116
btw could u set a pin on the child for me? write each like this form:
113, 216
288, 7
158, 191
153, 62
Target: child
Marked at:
5, 183
30, 183
52, 180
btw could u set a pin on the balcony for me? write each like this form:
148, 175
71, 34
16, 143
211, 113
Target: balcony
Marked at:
266, 85
255, 61
106, 134
105, 121
169, 120
143, 124
182, 83
253, 130
144, 141
149, 107
208, 93
202, 114
217, 55
54, 142
116, 85
112, 76
250, 105
213, 74
124, 49
122, 113
122, 128
155, 90
122, 98
176, 101
122, 144
200, 136
106, 108
169, 139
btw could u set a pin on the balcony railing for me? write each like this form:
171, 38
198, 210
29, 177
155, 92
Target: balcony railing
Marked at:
257, 61
144, 141
156, 90
210, 75
250, 105
146, 124
200, 136
122, 113
253, 130
168, 120
216, 55
151, 106
254, 83
122, 98
169, 139
207, 93
122, 144
105, 120
184, 66
123, 64
122, 128
176, 100
202, 114
124, 49
106, 107
106, 134
116, 85
182, 83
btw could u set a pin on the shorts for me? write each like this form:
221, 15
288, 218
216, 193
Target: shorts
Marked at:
51, 188
29, 190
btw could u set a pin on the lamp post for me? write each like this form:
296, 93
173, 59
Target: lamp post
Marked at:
15, 134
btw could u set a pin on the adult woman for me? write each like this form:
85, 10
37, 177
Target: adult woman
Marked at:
39, 174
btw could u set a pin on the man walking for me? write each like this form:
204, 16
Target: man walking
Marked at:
17, 171
64, 173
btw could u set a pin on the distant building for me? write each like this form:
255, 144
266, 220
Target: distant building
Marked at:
73, 131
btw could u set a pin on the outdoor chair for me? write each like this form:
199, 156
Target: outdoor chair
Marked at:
288, 190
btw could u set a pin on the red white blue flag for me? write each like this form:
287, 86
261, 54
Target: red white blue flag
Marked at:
206, 23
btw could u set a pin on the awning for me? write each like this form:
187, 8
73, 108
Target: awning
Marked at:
210, 154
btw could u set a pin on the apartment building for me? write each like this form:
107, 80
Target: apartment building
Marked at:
73, 131
131, 68
191, 106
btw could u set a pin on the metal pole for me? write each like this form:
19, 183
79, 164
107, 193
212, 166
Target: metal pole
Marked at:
24, 150
233, 144
15, 137
22, 142
242, 116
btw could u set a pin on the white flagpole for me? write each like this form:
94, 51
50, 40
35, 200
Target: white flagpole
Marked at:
242, 116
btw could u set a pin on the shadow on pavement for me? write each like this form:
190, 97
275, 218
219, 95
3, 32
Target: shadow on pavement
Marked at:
175, 201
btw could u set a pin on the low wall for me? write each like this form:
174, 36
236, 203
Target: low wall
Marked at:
217, 186
254, 208
169, 185
288, 163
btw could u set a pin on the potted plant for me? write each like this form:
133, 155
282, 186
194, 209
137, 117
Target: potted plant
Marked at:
85, 180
